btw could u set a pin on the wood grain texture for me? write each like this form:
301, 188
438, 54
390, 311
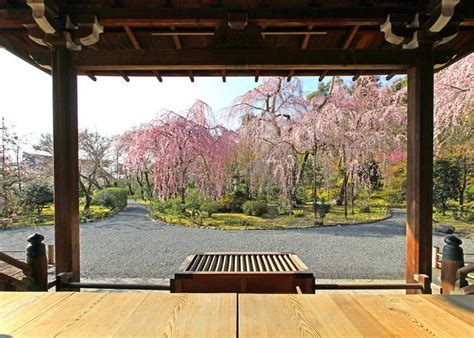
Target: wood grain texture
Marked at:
349, 315
117, 314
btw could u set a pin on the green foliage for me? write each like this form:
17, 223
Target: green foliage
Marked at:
298, 213
446, 179
255, 208
112, 198
284, 208
37, 195
232, 202
211, 207
371, 174
322, 208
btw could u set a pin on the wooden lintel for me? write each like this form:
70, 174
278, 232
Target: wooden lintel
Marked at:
420, 165
241, 59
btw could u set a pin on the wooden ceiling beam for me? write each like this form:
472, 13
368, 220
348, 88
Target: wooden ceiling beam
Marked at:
244, 59
291, 16
212, 16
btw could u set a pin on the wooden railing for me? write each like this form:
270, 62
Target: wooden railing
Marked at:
34, 270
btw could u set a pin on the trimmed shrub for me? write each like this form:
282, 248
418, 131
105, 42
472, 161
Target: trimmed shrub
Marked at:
112, 198
37, 196
232, 202
211, 207
322, 208
284, 209
255, 208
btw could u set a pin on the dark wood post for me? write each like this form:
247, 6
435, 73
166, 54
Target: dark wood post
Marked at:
66, 166
452, 260
36, 259
420, 165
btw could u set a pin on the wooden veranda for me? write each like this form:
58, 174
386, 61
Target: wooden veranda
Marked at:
186, 38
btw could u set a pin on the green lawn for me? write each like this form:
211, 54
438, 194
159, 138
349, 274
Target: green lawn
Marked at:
272, 220
464, 227
47, 216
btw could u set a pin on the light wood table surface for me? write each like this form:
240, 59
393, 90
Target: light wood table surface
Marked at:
229, 315
117, 314
355, 315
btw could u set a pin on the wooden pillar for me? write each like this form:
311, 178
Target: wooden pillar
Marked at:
420, 165
66, 166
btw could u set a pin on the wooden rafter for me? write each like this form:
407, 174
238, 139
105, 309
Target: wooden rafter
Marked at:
323, 75
132, 37
390, 76
125, 76
304, 45
257, 74
346, 45
158, 75
357, 75
223, 73
351, 37
91, 76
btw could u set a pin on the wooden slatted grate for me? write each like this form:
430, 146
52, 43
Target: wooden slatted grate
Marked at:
244, 262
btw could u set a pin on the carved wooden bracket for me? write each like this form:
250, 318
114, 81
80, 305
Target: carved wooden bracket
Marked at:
54, 27
436, 26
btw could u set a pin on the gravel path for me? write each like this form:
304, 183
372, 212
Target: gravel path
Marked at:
130, 245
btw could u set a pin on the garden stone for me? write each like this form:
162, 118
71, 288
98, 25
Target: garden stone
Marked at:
446, 229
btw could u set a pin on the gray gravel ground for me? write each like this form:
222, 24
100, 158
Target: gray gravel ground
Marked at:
130, 245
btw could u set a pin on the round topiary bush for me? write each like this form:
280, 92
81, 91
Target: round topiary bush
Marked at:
210, 207
255, 208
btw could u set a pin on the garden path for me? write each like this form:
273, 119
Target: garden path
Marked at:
131, 245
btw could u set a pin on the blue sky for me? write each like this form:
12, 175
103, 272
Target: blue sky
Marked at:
110, 105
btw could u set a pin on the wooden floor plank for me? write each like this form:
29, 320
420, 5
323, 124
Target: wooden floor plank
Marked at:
105, 317
398, 324
196, 315
57, 319
445, 304
350, 315
431, 318
27, 308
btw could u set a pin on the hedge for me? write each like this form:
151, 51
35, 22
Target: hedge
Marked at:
113, 198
